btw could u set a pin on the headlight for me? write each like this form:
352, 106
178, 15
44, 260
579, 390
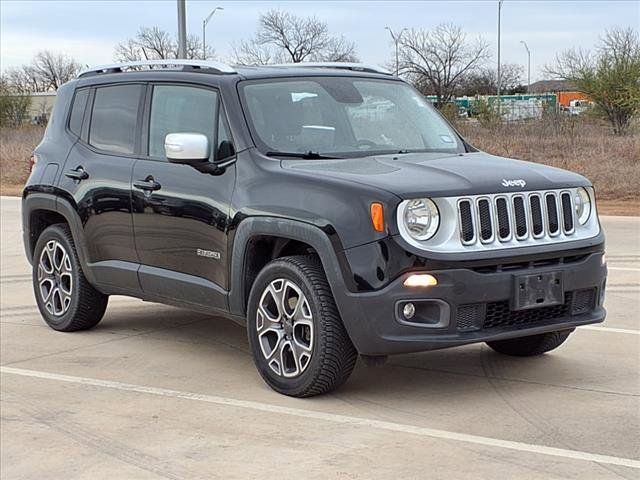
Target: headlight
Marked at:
582, 202
421, 218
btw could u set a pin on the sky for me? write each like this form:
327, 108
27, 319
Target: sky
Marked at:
89, 30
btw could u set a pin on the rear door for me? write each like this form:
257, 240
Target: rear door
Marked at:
97, 176
180, 214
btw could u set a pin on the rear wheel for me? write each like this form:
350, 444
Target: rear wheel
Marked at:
65, 298
531, 345
298, 341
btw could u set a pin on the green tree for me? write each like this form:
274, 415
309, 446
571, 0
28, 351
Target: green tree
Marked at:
610, 75
14, 105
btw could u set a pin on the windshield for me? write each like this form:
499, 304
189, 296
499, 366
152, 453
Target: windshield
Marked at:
343, 117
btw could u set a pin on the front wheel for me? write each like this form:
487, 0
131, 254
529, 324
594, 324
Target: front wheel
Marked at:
298, 341
531, 345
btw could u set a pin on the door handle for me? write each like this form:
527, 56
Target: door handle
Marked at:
148, 184
78, 173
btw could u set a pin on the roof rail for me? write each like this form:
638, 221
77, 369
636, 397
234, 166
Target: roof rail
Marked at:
165, 64
358, 67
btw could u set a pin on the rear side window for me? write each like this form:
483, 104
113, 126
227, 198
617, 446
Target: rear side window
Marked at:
114, 118
180, 109
77, 111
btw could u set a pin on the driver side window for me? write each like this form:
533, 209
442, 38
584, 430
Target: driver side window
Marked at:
181, 109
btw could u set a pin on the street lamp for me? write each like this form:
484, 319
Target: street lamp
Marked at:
204, 27
528, 64
499, 72
396, 40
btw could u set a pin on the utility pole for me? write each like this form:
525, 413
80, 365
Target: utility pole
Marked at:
204, 28
396, 40
499, 66
182, 29
528, 64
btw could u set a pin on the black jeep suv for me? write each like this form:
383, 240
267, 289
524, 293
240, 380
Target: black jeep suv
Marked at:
327, 207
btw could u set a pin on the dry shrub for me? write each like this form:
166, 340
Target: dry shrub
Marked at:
16, 146
583, 145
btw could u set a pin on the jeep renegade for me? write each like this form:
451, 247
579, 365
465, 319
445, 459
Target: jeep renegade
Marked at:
327, 207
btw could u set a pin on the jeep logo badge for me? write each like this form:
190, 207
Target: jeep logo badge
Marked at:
514, 183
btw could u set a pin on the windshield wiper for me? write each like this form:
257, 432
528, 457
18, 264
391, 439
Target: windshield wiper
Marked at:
310, 155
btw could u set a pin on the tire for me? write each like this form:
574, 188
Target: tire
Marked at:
304, 350
66, 300
532, 345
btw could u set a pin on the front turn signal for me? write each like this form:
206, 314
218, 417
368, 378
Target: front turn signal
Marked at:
377, 216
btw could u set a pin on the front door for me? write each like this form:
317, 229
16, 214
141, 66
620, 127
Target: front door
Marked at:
181, 215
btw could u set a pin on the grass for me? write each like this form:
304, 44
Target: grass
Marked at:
579, 144
16, 146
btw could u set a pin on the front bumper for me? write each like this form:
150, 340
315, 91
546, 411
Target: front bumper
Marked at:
469, 306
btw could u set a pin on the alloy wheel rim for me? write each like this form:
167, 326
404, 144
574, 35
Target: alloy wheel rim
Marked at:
284, 326
55, 279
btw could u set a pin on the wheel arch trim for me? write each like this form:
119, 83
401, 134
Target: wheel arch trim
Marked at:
312, 235
34, 201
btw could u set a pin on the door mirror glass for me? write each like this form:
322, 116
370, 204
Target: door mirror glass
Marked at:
187, 148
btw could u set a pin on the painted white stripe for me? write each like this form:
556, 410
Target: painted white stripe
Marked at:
334, 418
609, 329
624, 269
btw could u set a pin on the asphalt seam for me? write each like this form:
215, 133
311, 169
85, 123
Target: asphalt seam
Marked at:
334, 418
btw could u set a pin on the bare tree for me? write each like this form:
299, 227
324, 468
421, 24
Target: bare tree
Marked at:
282, 36
436, 60
251, 52
153, 43
23, 80
53, 70
610, 75
484, 81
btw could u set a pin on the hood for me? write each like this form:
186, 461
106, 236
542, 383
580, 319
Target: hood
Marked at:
442, 175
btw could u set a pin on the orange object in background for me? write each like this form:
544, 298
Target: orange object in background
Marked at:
565, 98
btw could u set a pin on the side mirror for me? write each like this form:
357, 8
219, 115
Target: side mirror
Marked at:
189, 148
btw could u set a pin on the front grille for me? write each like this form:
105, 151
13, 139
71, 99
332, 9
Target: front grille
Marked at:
478, 316
515, 217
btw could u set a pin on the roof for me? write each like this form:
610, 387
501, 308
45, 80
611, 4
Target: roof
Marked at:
544, 86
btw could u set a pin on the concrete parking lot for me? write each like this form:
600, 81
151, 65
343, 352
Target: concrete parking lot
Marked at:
157, 392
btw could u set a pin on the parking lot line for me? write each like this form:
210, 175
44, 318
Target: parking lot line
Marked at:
624, 269
334, 418
610, 329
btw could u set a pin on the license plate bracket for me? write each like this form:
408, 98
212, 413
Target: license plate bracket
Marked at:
537, 290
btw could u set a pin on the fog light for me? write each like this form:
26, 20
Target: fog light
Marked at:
420, 280
409, 310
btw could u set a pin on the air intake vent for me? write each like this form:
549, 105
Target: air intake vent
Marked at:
466, 222
502, 208
486, 229
537, 227
567, 212
552, 213
521, 217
